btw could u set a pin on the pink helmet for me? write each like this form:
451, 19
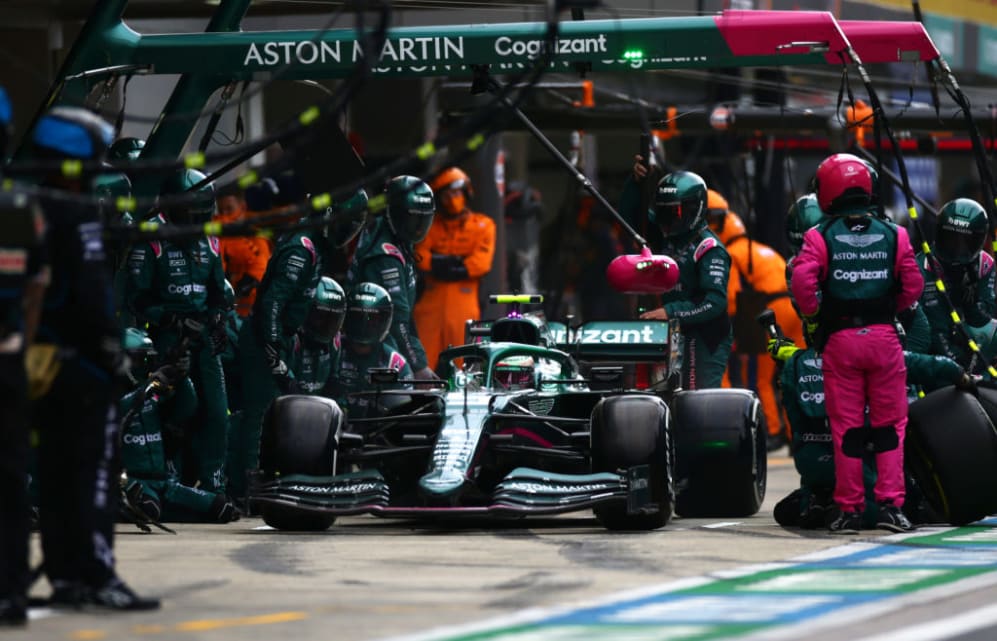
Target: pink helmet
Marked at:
844, 184
643, 273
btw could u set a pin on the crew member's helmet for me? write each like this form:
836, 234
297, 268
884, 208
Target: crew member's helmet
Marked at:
108, 188
141, 352
716, 210
727, 225
410, 208
515, 373
347, 219
802, 215
325, 317
453, 189
125, 149
960, 231
368, 314
72, 132
186, 207
844, 185
680, 204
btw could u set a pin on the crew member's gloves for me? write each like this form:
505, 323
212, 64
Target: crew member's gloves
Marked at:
967, 382
164, 379
426, 374
217, 334
781, 349
449, 267
245, 286
277, 366
810, 328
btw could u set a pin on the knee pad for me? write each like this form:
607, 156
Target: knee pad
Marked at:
856, 441
787, 511
883, 438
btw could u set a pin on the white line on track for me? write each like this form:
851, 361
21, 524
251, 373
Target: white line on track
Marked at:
944, 628
712, 526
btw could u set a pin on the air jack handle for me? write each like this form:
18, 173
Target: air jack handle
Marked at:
582, 179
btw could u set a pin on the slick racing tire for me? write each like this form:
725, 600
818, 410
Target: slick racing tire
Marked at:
721, 460
300, 436
629, 431
951, 451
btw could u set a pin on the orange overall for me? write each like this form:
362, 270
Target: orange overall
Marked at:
445, 305
244, 258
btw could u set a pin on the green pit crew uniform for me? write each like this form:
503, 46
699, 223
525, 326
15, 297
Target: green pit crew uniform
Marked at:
143, 454
699, 300
313, 363
352, 375
971, 290
699, 303
383, 260
802, 383
167, 283
282, 302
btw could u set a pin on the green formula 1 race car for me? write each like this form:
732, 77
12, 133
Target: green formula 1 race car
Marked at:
530, 419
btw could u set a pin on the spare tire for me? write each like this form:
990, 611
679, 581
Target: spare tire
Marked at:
300, 436
628, 431
951, 451
721, 460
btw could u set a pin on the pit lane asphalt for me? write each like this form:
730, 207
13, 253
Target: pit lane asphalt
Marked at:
369, 578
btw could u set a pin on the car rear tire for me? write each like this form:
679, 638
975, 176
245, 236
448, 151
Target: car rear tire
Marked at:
951, 451
721, 459
628, 431
300, 436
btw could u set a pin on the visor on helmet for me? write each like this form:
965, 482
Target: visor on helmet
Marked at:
958, 245
677, 217
366, 325
323, 323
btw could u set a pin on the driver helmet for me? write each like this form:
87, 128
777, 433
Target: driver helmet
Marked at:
515, 373
368, 314
679, 204
187, 207
453, 189
325, 317
843, 185
802, 215
960, 231
410, 208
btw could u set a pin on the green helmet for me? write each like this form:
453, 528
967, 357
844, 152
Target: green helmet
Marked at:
325, 317
347, 219
188, 207
802, 215
679, 204
410, 208
141, 352
124, 149
368, 314
960, 231
108, 187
